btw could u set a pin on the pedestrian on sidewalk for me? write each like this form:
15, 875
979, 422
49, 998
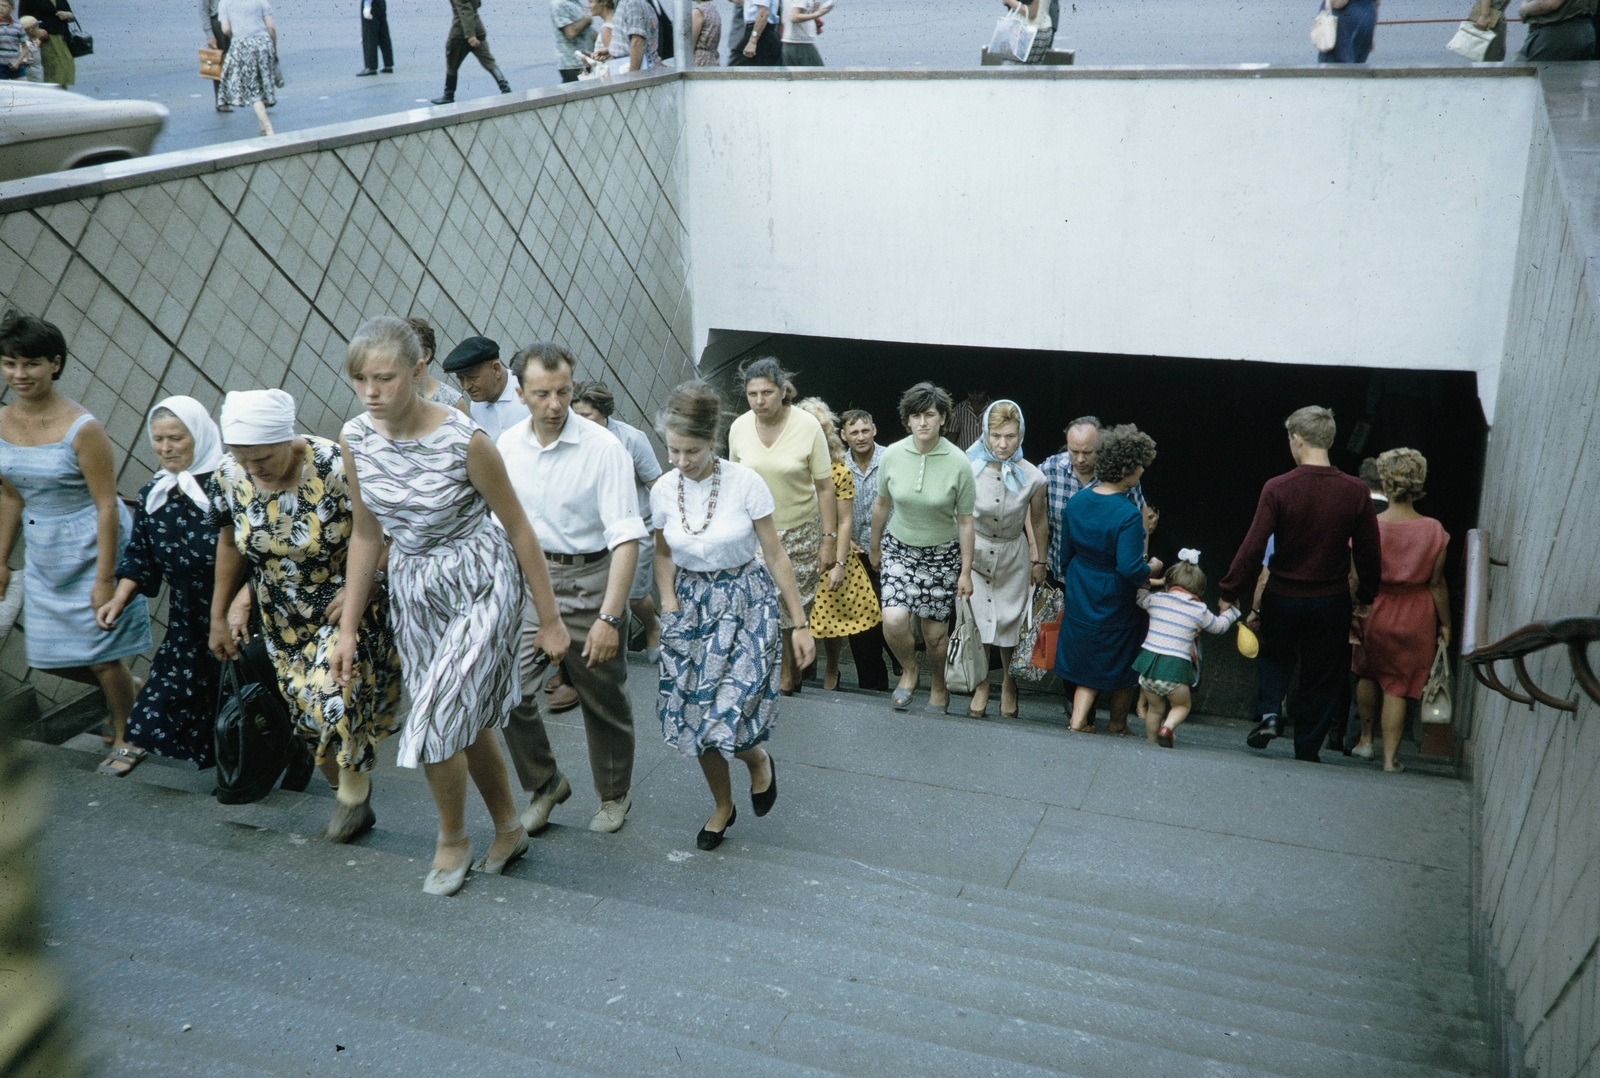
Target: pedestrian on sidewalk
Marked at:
636, 31
1320, 521
575, 482
574, 25
430, 388
706, 21
467, 35
60, 490
1491, 15
1558, 30
594, 401
1165, 665
922, 539
423, 481
375, 38
1411, 613
13, 45
760, 44
250, 67
720, 645
867, 648
211, 27
1104, 563
280, 505
51, 18
1009, 534
1068, 472
846, 604
786, 447
1358, 21
802, 22
175, 713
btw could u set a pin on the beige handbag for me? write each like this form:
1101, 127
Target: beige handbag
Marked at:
211, 64
967, 662
1436, 693
1324, 29
1471, 42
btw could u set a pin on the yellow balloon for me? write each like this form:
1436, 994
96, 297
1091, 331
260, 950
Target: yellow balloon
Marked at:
1249, 646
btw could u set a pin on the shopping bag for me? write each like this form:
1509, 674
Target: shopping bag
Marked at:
1016, 39
1436, 708
967, 662
1044, 607
1044, 646
1324, 29
1471, 42
253, 734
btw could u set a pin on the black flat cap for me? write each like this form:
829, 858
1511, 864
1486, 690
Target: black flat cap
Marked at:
469, 353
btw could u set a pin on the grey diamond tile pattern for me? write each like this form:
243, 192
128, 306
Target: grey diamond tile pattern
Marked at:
558, 222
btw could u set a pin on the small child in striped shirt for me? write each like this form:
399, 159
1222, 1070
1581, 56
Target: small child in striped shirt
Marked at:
1165, 664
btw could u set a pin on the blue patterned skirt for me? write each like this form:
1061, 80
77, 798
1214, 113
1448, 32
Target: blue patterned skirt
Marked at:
720, 658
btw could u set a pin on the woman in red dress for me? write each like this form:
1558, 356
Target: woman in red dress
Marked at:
1411, 613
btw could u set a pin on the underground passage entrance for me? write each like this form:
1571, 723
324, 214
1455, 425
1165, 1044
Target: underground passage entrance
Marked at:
1218, 427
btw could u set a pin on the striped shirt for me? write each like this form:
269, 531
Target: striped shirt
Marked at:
1176, 618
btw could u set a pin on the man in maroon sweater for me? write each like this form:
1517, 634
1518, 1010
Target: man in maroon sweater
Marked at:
1321, 520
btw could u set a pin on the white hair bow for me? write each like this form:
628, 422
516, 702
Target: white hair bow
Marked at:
1190, 555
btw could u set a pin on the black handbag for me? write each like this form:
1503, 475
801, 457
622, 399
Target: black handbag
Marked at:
78, 42
665, 45
254, 737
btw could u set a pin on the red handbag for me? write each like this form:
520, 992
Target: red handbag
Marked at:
1044, 645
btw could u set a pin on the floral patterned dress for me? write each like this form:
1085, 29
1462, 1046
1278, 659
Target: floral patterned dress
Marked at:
296, 542
174, 713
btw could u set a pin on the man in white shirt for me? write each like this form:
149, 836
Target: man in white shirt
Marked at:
594, 400
475, 362
575, 482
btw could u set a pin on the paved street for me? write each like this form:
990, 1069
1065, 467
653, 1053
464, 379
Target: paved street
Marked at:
146, 49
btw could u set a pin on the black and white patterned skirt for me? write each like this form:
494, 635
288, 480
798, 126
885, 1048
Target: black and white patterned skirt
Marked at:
250, 72
922, 579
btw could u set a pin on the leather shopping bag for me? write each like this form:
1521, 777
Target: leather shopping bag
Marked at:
211, 64
1044, 608
253, 734
1436, 709
967, 662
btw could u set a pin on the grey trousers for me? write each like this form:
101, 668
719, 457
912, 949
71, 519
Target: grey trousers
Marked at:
602, 690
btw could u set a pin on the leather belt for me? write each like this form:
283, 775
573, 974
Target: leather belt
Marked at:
576, 559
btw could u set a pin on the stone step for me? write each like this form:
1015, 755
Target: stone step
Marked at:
568, 858
975, 989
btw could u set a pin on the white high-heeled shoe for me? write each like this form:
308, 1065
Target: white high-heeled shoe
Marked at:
448, 881
496, 868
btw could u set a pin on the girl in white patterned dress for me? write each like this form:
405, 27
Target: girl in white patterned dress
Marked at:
425, 475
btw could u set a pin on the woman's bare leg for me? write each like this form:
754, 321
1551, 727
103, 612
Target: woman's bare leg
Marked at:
488, 770
1394, 724
831, 647
1083, 707
897, 634
715, 769
1008, 684
447, 782
261, 117
1368, 701
936, 638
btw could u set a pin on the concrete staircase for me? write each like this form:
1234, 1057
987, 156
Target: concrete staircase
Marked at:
931, 896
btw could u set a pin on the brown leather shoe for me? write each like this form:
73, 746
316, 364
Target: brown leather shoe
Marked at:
555, 681
565, 698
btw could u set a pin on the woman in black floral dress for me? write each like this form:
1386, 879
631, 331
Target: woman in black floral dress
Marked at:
171, 541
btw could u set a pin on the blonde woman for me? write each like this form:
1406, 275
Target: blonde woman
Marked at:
1411, 614
845, 603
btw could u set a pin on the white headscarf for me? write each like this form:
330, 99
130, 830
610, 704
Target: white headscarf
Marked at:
982, 456
257, 417
207, 453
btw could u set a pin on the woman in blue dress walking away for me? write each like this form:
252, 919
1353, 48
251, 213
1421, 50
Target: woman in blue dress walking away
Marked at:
1103, 566
60, 490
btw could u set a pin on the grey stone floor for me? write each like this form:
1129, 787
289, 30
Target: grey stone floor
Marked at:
1096, 905
145, 49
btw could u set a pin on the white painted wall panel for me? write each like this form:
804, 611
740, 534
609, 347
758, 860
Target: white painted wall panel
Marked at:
1306, 219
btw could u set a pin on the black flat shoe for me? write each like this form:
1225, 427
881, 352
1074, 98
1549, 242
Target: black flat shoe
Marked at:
1264, 732
762, 802
710, 840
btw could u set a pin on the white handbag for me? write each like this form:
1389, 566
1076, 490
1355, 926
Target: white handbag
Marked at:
1324, 29
967, 662
1471, 42
1436, 693
1016, 38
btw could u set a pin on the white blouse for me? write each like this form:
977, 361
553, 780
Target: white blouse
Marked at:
729, 541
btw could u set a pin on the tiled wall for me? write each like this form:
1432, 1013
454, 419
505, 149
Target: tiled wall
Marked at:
560, 220
1538, 772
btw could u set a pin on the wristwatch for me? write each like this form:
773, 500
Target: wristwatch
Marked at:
380, 577
612, 620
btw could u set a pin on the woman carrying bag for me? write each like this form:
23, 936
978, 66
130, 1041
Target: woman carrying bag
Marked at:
55, 53
250, 66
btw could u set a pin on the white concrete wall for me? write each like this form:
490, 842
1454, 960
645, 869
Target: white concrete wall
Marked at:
1304, 218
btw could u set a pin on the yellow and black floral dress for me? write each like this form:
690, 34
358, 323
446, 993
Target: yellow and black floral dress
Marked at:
296, 542
854, 607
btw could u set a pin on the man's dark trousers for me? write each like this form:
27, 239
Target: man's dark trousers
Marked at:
375, 36
1317, 630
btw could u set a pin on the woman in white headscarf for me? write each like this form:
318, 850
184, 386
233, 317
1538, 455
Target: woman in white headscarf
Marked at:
1010, 521
170, 541
281, 510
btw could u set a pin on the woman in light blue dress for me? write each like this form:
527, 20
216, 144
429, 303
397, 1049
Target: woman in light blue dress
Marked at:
59, 488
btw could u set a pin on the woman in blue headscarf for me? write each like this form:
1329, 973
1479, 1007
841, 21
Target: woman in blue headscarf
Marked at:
1011, 524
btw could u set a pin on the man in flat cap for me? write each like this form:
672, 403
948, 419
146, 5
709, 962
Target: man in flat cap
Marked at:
475, 362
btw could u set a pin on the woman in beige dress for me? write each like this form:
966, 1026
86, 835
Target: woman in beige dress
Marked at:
1010, 519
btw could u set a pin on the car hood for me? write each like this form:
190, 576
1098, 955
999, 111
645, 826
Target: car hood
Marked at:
31, 111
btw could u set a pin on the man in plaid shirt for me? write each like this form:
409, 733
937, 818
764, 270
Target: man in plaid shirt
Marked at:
1068, 472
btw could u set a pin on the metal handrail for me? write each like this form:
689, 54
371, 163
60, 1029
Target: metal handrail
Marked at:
1576, 633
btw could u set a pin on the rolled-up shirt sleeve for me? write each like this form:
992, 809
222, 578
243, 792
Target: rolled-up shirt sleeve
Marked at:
617, 497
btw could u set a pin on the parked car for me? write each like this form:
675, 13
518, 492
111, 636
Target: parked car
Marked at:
44, 128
